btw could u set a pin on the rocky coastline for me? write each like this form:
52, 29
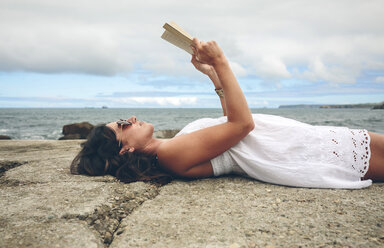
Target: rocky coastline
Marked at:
379, 105
81, 131
43, 205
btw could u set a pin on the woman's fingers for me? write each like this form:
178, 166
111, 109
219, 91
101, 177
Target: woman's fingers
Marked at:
195, 43
194, 46
194, 60
205, 52
194, 52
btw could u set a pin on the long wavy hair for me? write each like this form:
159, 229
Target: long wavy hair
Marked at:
100, 156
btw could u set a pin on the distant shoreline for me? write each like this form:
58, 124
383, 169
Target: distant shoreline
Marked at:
379, 105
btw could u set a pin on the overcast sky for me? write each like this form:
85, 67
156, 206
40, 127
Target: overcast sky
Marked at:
80, 53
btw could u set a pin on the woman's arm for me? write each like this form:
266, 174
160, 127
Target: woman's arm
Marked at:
184, 153
237, 108
211, 73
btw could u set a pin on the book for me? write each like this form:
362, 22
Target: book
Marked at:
175, 35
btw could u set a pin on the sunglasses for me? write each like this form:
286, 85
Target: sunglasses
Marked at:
122, 123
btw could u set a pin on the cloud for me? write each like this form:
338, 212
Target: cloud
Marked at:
379, 79
318, 70
132, 94
238, 69
162, 101
256, 103
333, 41
172, 101
270, 67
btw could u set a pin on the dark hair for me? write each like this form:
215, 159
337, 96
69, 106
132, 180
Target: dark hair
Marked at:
100, 156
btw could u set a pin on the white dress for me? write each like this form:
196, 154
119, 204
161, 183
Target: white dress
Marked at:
288, 152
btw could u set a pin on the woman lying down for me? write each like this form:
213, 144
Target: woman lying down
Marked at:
268, 148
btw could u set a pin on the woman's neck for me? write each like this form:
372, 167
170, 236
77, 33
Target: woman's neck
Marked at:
152, 146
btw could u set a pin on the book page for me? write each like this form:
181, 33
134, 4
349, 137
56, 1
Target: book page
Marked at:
177, 30
177, 41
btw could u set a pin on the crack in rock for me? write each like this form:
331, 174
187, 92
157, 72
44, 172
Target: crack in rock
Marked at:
15, 183
106, 219
7, 165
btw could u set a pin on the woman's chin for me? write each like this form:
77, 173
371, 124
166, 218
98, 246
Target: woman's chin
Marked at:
151, 127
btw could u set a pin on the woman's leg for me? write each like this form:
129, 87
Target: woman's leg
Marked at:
376, 163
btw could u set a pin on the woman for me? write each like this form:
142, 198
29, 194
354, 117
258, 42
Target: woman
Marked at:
275, 149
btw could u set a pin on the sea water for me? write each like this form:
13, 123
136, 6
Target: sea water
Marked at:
47, 123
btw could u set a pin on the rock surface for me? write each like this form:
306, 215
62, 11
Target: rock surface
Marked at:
76, 131
42, 205
379, 106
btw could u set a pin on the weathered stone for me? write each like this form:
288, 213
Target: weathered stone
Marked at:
57, 233
71, 137
203, 214
77, 130
379, 106
42, 205
7, 165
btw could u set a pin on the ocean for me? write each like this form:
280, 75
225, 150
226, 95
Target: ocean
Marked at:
47, 123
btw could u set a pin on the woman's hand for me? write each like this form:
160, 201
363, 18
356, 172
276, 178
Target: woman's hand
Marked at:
207, 52
209, 71
204, 68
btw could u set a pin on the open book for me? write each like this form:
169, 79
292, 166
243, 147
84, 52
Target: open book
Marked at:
175, 35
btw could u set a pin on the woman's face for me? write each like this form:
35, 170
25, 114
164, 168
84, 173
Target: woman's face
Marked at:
136, 135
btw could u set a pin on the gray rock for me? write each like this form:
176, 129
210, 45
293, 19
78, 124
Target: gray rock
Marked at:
240, 212
379, 106
56, 233
72, 136
42, 205
76, 131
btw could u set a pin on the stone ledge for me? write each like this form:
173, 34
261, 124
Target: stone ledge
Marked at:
42, 205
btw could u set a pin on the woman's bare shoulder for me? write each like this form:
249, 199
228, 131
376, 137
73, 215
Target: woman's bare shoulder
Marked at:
178, 156
183, 152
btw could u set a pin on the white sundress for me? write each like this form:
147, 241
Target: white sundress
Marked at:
288, 152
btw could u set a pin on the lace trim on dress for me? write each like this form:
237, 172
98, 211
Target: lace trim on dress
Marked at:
224, 164
361, 152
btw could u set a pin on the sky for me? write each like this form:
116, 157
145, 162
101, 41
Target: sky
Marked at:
83, 53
